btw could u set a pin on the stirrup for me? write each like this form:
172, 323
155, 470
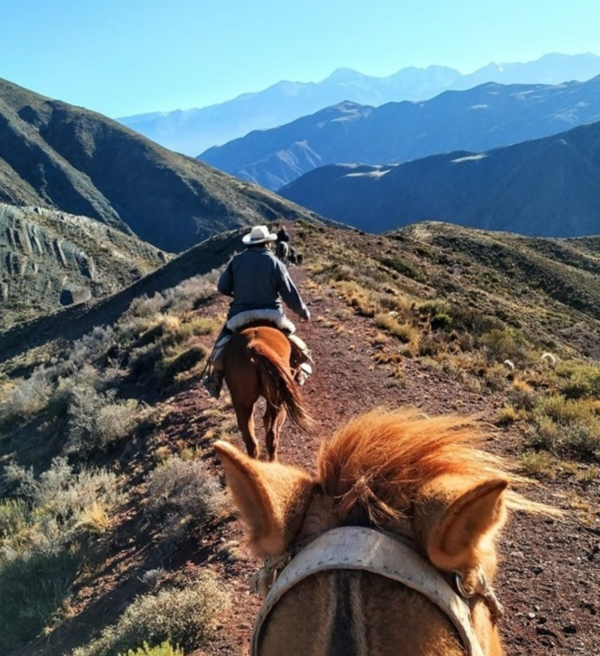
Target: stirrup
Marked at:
304, 371
213, 385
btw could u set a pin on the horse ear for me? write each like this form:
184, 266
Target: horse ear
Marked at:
458, 521
272, 498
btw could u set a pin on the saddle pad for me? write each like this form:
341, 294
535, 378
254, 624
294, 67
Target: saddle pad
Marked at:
277, 318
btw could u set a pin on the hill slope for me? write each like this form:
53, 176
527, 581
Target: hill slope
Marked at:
479, 119
63, 157
50, 259
193, 131
424, 317
547, 187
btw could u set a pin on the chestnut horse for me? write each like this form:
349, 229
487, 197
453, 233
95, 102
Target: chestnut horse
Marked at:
257, 363
388, 549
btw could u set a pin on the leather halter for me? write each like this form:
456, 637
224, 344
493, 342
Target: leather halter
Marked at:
369, 550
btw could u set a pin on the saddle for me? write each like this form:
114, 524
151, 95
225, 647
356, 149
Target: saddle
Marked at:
300, 352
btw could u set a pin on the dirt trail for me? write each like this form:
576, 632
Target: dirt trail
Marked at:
549, 578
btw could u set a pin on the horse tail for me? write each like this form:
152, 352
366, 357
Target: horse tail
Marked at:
272, 369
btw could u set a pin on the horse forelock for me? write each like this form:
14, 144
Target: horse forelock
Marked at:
378, 461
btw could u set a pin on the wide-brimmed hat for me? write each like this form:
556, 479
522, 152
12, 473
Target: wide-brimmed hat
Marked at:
259, 235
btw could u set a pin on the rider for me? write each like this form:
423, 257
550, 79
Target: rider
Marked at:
258, 282
282, 233
282, 247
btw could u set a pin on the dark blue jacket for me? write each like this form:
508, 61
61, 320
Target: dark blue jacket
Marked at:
258, 280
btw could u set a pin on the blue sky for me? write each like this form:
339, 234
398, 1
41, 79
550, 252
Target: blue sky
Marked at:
123, 57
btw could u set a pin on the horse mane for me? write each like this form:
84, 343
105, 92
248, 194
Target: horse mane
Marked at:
374, 466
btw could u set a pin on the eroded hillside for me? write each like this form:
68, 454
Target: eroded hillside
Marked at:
50, 259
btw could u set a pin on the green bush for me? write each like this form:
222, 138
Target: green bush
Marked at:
403, 267
578, 380
185, 617
164, 649
504, 344
166, 370
566, 426
438, 313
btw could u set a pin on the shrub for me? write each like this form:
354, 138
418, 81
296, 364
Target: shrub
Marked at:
506, 415
503, 344
522, 395
170, 366
566, 426
184, 617
28, 398
536, 462
14, 517
496, 376
42, 551
405, 332
145, 306
358, 297
89, 348
97, 420
578, 380
61, 495
164, 649
438, 314
403, 267
37, 582
184, 491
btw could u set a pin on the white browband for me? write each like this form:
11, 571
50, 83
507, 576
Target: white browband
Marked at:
369, 550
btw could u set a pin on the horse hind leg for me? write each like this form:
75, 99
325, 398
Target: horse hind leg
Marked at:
245, 419
274, 419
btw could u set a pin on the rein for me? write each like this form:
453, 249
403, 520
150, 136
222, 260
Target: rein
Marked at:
370, 550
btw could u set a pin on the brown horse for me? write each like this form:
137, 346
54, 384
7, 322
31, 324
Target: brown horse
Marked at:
257, 363
391, 545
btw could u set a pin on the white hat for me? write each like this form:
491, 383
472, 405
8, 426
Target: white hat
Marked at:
259, 235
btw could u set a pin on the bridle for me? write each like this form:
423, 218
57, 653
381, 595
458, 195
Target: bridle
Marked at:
385, 554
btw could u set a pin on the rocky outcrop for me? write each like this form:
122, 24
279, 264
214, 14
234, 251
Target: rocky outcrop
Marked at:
49, 259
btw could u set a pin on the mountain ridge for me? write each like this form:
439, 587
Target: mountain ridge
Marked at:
482, 118
545, 187
62, 157
192, 131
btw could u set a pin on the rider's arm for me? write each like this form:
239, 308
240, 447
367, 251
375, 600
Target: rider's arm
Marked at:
225, 284
290, 294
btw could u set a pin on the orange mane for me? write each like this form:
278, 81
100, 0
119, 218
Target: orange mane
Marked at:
374, 466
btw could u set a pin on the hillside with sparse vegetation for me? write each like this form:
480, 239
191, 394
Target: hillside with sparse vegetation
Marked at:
110, 491
50, 260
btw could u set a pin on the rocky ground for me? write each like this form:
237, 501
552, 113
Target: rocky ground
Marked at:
549, 579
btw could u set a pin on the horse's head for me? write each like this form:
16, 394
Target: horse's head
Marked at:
419, 478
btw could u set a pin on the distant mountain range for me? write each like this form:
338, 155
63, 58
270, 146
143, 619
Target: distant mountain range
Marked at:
193, 131
67, 158
546, 187
482, 118
49, 259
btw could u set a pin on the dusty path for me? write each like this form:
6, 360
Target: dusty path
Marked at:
549, 579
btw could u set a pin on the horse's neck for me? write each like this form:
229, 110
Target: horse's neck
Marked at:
349, 613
